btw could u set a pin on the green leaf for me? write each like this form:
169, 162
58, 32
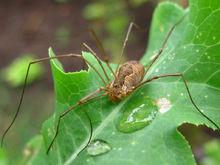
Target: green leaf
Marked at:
14, 73
192, 49
94, 11
3, 157
212, 150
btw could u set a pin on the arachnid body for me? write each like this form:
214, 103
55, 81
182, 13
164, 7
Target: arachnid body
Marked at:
128, 77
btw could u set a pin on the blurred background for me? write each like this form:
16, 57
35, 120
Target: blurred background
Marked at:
29, 28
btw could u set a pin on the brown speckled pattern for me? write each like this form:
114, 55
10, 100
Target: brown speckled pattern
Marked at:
129, 75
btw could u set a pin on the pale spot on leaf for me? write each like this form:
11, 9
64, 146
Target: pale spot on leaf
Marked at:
164, 104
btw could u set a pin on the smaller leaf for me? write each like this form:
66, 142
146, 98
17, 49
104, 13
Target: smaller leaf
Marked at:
14, 74
212, 150
94, 11
3, 157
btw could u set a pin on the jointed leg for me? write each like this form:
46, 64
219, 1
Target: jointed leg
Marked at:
25, 84
132, 24
80, 102
188, 91
100, 47
163, 45
98, 42
97, 58
90, 64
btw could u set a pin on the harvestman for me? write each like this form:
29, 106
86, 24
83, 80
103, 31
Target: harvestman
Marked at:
127, 78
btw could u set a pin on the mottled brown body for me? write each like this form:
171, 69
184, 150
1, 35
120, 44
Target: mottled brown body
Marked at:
129, 76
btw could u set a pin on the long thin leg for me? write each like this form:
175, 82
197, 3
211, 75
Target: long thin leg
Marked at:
97, 58
97, 40
25, 84
103, 80
80, 102
100, 47
188, 91
132, 24
163, 45
90, 134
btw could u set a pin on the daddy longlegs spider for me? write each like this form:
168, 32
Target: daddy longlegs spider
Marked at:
128, 77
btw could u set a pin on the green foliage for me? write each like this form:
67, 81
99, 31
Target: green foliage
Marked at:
192, 50
3, 157
14, 73
95, 11
212, 150
32, 149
